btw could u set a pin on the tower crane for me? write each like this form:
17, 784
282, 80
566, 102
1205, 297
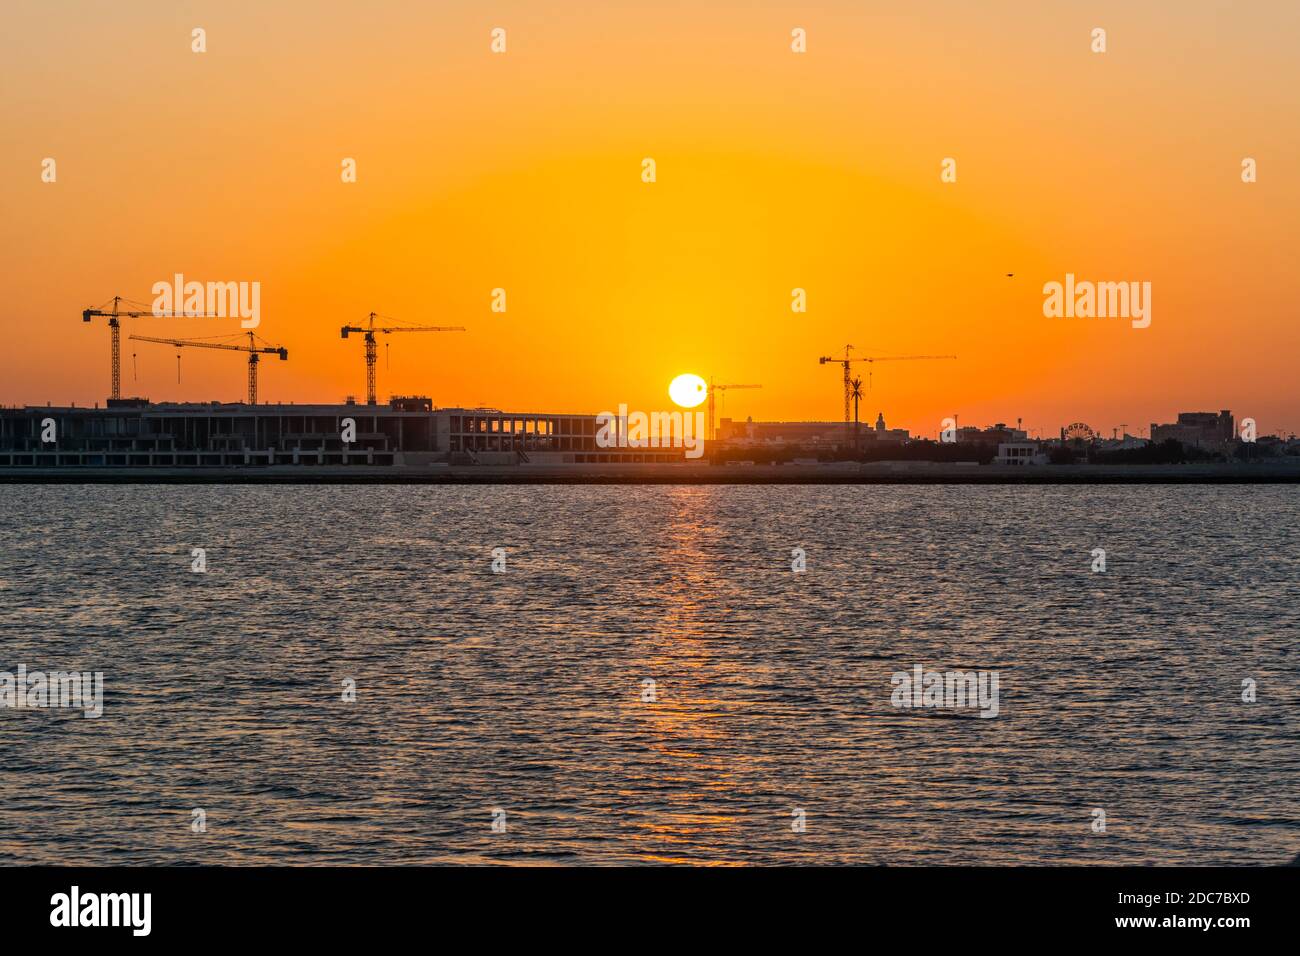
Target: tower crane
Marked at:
870, 359
115, 328
252, 348
369, 331
713, 431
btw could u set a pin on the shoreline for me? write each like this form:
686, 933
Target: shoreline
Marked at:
831, 473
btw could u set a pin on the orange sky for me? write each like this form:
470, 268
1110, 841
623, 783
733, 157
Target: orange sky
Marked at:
775, 171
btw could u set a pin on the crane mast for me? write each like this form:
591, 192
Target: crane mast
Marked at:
115, 330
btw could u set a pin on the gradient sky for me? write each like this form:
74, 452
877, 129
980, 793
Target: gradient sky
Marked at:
775, 171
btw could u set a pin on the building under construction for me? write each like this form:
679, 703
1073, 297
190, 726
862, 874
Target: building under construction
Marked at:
134, 433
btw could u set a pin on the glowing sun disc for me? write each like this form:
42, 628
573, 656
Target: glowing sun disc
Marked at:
688, 390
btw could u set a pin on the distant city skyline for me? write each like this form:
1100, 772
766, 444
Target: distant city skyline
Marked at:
521, 173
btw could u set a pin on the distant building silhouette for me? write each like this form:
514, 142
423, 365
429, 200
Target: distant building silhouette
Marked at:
993, 435
409, 430
1197, 429
889, 434
1020, 453
831, 434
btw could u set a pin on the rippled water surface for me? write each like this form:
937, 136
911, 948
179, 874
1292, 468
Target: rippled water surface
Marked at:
1119, 691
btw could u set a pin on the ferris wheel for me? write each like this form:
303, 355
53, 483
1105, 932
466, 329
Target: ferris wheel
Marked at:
1079, 432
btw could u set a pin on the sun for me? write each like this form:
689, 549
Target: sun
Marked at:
688, 390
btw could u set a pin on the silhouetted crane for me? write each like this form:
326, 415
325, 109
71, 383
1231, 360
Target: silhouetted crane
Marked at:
252, 348
713, 431
846, 361
369, 332
115, 328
